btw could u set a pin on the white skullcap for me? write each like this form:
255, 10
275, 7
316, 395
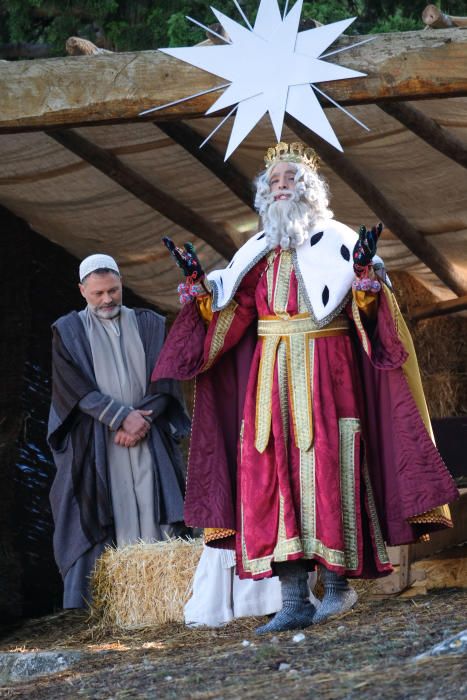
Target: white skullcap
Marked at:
97, 262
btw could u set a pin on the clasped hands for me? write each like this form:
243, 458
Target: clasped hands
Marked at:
134, 428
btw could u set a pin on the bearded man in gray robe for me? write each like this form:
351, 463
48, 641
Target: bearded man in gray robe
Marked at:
114, 436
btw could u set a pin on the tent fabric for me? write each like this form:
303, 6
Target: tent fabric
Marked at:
75, 205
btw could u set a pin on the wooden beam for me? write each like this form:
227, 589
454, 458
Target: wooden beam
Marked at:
428, 130
148, 193
384, 209
116, 87
214, 161
435, 19
451, 306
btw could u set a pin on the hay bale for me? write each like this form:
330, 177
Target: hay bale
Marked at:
142, 585
441, 346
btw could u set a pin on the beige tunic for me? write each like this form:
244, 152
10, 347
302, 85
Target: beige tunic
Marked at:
120, 368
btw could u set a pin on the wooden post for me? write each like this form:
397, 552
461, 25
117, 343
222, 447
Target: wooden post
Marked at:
404, 567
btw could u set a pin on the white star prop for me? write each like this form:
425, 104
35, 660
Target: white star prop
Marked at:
271, 67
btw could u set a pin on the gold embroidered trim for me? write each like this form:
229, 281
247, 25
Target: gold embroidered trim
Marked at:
270, 276
440, 515
224, 321
348, 428
300, 323
311, 545
282, 371
281, 294
253, 566
296, 331
281, 532
310, 549
359, 324
216, 533
374, 520
308, 494
284, 548
314, 547
256, 566
264, 392
300, 389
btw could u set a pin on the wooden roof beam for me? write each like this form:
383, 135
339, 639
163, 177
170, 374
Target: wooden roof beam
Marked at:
113, 87
435, 19
382, 207
428, 130
190, 140
450, 306
144, 190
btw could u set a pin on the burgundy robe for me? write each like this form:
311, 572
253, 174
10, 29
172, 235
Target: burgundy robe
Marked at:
395, 471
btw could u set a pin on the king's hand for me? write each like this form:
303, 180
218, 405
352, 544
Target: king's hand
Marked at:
187, 260
365, 247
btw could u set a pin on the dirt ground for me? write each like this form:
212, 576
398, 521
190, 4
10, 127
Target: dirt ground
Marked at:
366, 653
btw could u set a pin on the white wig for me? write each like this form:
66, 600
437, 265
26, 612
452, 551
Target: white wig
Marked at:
287, 223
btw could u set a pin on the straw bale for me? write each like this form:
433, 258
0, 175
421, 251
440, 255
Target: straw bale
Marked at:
142, 585
443, 570
441, 346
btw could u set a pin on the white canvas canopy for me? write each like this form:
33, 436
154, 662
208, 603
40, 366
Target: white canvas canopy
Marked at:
76, 202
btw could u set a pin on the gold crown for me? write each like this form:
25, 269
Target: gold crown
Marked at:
293, 153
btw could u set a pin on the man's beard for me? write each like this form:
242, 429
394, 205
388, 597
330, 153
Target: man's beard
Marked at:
287, 222
106, 312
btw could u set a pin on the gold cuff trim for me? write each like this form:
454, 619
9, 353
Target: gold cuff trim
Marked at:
439, 516
216, 533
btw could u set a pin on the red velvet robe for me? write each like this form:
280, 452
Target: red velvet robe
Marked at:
333, 503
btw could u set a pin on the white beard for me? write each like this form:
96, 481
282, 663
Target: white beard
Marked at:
287, 222
106, 313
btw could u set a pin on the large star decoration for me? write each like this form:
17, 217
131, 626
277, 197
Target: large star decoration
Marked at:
271, 67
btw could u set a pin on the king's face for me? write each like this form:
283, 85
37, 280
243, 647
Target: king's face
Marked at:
282, 180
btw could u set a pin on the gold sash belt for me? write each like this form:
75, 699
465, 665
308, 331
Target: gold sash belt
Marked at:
297, 334
301, 323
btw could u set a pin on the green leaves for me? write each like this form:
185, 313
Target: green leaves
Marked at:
132, 25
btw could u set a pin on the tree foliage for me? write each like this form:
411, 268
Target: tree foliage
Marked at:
128, 25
